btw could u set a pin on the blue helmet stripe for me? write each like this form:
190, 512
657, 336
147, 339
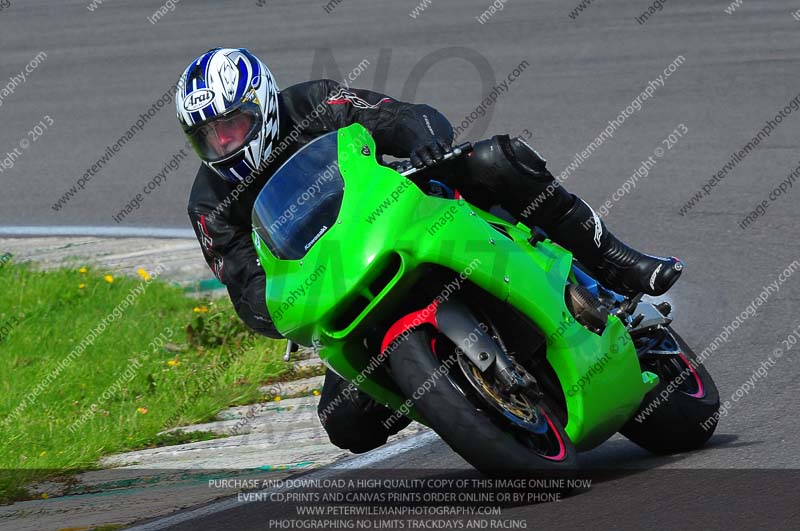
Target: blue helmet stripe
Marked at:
199, 82
196, 116
253, 63
244, 80
227, 173
188, 81
204, 66
208, 110
242, 168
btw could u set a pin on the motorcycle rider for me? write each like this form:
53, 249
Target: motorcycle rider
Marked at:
243, 128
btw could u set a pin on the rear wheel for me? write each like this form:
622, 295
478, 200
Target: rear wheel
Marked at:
497, 433
679, 414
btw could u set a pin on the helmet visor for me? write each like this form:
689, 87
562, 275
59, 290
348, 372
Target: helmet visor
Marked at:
226, 134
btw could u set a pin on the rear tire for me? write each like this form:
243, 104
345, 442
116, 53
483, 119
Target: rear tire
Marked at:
683, 421
472, 431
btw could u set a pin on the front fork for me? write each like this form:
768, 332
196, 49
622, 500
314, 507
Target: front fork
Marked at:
454, 320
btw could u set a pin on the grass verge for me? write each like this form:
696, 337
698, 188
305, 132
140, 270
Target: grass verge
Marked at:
93, 365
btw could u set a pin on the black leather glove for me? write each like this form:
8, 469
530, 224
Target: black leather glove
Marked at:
428, 133
428, 153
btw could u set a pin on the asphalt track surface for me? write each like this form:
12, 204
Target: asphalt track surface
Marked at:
104, 68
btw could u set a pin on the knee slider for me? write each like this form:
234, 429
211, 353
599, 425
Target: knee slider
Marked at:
489, 162
525, 158
501, 159
485, 173
515, 175
491, 165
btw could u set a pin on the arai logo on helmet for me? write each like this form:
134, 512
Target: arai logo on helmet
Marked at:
198, 99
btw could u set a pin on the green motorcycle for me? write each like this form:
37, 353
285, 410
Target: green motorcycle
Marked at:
482, 329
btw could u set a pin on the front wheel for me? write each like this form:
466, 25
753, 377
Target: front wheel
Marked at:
495, 443
680, 413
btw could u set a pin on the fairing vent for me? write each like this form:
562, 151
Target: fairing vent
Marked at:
381, 276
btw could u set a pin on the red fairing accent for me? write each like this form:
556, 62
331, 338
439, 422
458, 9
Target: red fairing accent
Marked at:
457, 194
426, 315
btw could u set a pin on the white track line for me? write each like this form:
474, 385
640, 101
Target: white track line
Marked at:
361, 461
86, 230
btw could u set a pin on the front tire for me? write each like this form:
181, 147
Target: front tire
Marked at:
682, 419
477, 434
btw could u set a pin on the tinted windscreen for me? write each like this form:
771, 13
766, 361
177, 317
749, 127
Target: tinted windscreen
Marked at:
301, 201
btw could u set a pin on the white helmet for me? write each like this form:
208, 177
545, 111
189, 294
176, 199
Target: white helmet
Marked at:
227, 104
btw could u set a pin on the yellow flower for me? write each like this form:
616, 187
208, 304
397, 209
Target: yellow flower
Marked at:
82, 270
277, 399
142, 273
45, 496
142, 410
315, 392
200, 309
81, 286
173, 363
109, 279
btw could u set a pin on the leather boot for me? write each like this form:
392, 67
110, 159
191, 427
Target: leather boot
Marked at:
614, 264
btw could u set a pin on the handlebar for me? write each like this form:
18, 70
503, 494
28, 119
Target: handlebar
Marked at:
406, 169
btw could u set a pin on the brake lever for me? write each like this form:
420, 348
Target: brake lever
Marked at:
406, 169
